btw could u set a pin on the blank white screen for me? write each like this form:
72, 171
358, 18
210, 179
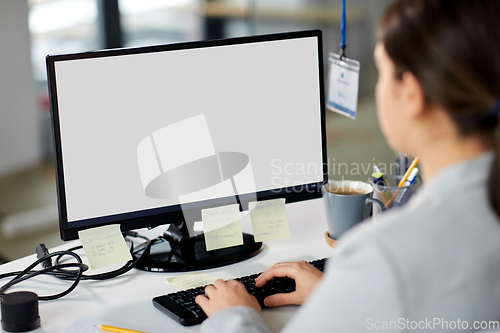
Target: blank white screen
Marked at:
261, 99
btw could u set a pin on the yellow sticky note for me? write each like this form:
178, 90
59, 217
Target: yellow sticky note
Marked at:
192, 280
104, 246
269, 220
222, 227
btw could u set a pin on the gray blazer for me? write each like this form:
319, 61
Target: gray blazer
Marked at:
433, 265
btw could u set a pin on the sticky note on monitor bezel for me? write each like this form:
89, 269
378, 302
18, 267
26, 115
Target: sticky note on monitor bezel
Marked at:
104, 246
269, 220
222, 226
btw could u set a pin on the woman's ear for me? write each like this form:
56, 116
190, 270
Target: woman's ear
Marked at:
412, 95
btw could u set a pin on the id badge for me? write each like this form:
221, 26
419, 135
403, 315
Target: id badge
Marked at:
343, 85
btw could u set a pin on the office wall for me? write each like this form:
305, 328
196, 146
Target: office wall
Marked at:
19, 128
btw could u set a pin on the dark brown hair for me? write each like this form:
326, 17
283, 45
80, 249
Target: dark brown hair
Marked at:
452, 47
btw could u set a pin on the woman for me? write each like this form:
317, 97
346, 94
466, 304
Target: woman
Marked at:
435, 263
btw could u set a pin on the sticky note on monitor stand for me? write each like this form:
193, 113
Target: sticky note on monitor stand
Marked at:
269, 220
104, 246
192, 280
222, 226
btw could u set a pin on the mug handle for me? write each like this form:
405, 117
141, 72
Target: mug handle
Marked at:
379, 203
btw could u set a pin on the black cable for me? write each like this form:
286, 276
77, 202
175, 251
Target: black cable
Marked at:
64, 275
42, 251
61, 271
20, 276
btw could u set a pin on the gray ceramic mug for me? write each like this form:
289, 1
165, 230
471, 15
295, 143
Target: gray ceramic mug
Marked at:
346, 204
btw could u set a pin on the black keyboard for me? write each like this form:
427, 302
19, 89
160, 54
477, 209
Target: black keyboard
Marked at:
181, 306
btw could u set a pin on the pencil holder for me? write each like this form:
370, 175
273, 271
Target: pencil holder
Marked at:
393, 195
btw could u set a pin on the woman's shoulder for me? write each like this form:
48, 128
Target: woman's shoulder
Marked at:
454, 205
432, 222
419, 239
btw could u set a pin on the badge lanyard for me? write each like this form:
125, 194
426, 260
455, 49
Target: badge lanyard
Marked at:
342, 32
343, 78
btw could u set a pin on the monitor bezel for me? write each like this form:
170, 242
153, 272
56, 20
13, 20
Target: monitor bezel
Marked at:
173, 214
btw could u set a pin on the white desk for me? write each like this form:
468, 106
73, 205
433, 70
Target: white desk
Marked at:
126, 300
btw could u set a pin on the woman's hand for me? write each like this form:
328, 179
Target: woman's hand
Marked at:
224, 294
306, 278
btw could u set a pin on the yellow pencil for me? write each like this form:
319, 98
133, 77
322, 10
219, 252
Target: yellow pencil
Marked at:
116, 329
405, 177
402, 182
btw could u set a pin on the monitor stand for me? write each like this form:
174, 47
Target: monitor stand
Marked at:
176, 251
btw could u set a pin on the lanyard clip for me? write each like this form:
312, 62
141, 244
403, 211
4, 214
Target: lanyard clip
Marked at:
342, 52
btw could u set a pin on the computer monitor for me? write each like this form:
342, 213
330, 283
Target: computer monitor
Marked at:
153, 135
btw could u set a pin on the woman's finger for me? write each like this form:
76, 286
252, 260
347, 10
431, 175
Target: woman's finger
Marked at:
210, 290
285, 270
283, 299
218, 283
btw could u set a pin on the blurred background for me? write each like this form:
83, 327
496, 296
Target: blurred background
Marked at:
31, 29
